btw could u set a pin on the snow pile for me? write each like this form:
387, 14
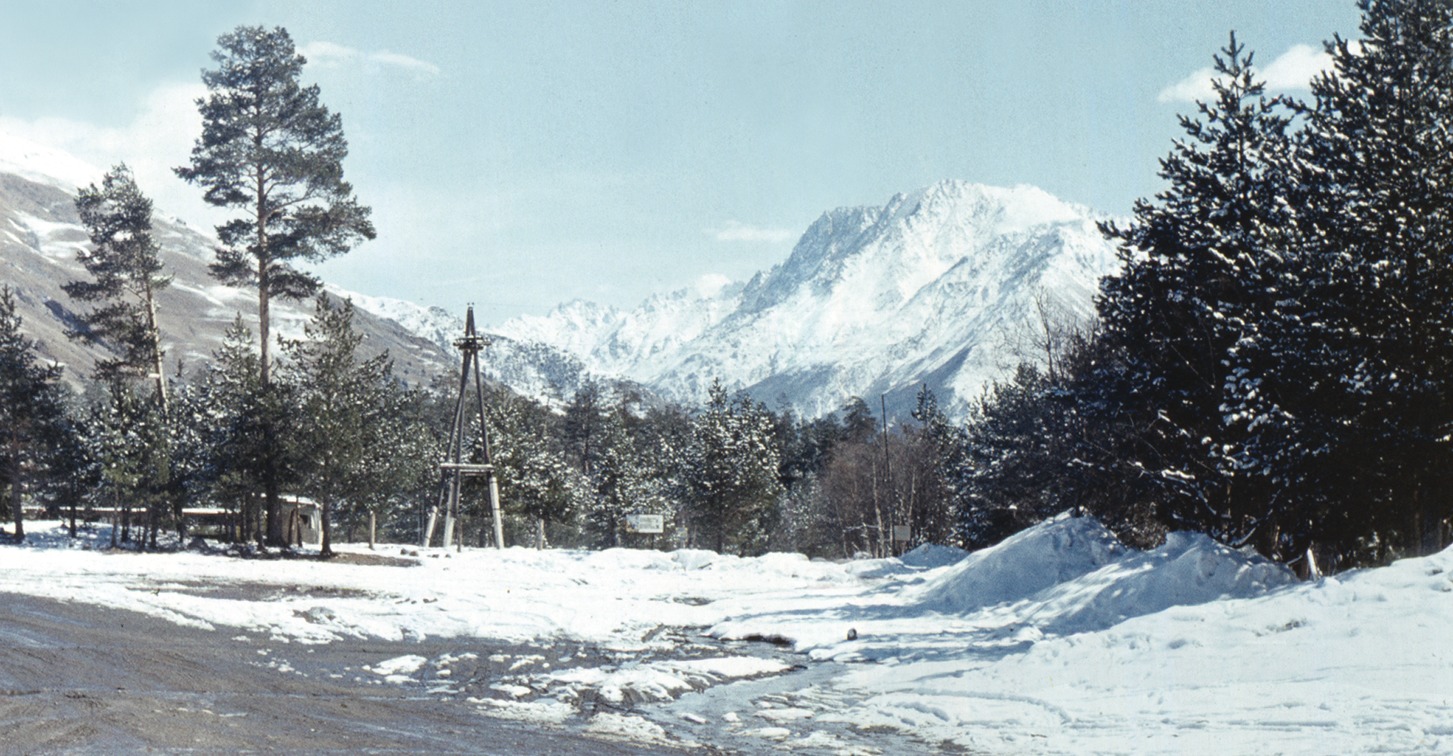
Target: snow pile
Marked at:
930, 555
659, 681
1064, 576
1349, 664
1188, 569
1048, 554
922, 558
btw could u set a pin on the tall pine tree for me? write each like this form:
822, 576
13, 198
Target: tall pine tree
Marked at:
272, 152
729, 470
341, 403
127, 275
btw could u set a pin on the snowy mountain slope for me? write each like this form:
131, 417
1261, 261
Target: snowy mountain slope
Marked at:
40, 235
932, 287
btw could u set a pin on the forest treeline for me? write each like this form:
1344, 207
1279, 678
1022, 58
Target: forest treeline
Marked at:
1272, 364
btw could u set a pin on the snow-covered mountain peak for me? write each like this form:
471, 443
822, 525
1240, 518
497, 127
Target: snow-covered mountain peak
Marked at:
44, 165
928, 287
992, 210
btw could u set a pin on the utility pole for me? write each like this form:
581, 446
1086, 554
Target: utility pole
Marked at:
887, 477
453, 469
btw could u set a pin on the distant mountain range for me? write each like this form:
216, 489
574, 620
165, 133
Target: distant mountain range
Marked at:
941, 286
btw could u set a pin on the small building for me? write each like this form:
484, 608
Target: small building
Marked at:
302, 522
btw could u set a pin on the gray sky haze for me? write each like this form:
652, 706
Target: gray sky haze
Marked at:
521, 154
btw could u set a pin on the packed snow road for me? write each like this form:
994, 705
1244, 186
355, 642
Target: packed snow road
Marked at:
82, 678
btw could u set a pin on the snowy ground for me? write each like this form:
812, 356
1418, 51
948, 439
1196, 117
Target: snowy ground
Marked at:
1058, 640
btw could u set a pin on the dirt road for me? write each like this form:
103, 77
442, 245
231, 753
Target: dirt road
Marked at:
80, 678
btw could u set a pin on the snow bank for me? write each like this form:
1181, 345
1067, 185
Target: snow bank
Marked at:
1188, 569
931, 555
925, 557
1059, 639
1050, 553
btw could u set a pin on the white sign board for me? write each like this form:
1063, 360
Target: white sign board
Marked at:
645, 523
903, 533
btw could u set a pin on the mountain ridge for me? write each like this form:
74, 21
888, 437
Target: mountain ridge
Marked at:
924, 289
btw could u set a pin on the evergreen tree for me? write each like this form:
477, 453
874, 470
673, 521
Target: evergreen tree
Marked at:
126, 278
190, 424
1358, 405
31, 412
624, 479
401, 460
232, 412
1009, 479
730, 472
341, 403
119, 430
804, 520
1199, 280
74, 474
582, 425
271, 151
935, 456
539, 486
858, 421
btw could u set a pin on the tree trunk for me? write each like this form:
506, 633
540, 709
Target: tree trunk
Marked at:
15, 487
157, 364
264, 332
255, 521
327, 512
115, 516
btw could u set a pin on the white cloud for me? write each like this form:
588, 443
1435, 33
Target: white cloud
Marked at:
1292, 70
1295, 68
158, 139
333, 55
735, 231
1195, 87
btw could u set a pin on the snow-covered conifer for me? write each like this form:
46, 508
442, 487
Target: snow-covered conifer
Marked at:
31, 411
1199, 279
729, 470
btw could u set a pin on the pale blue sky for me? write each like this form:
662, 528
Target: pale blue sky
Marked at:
522, 154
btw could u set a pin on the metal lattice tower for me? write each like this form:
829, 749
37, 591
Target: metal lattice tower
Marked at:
453, 469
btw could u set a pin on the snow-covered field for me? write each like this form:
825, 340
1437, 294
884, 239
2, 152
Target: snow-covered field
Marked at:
1058, 640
